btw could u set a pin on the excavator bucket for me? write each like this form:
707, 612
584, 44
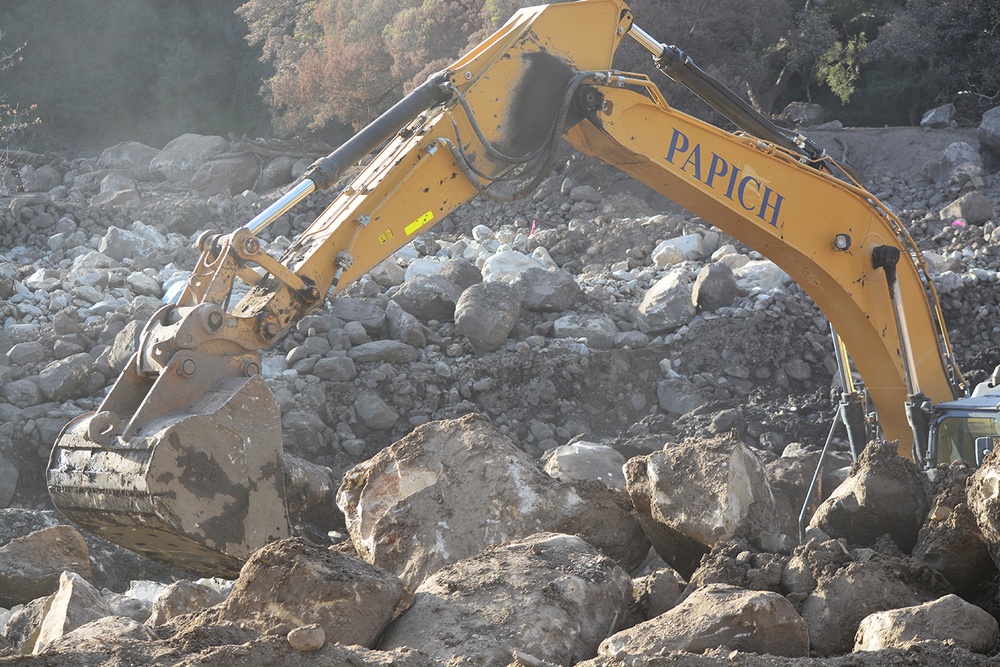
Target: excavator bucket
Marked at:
200, 487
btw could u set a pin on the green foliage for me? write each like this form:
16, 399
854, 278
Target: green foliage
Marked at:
840, 67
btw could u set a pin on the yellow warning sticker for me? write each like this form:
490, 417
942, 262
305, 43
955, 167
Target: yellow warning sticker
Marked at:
418, 223
384, 237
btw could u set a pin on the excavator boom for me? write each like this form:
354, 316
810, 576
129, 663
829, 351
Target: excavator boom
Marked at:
182, 460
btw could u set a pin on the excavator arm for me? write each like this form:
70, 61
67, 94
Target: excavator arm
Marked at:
182, 460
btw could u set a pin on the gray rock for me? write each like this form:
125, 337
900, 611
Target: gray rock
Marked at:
368, 313
181, 157
547, 291
598, 329
697, 494
677, 396
461, 272
429, 297
275, 173
42, 179
667, 305
486, 313
225, 175
585, 193
564, 600
717, 616
584, 460
715, 287
296, 582
404, 326
75, 604
948, 619
989, 130
805, 114
972, 207
23, 354
99, 633
66, 378
375, 413
419, 504
182, 597
940, 168
130, 155
30, 566
22, 393
884, 494
382, 351
335, 369
938, 117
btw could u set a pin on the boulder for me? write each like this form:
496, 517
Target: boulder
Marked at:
295, 582
696, 494
667, 305
885, 494
429, 297
940, 168
715, 287
66, 378
582, 460
597, 329
717, 616
557, 596
181, 157
544, 290
939, 117
989, 131
972, 207
182, 597
950, 540
948, 619
403, 326
805, 114
486, 313
836, 588
505, 265
76, 603
31, 566
130, 155
419, 504
225, 175
99, 635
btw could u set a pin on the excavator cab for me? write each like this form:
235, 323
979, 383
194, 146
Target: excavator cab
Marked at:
966, 429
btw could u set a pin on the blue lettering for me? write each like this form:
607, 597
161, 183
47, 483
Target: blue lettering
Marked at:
719, 167
742, 191
750, 192
766, 204
732, 182
678, 142
694, 159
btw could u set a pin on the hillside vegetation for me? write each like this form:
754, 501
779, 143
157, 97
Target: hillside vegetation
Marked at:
93, 72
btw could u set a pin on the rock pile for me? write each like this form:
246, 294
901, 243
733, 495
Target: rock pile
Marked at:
576, 429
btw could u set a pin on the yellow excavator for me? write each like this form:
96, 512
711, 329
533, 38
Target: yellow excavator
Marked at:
182, 461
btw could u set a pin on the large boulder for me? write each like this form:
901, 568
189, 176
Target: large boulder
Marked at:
885, 494
950, 540
699, 493
183, 156
948, 619
989, 131
486, 313
452, 488
31, 566
667, 305
298, 583
717, 616
551, 596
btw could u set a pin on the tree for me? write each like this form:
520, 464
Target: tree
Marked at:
339, 63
